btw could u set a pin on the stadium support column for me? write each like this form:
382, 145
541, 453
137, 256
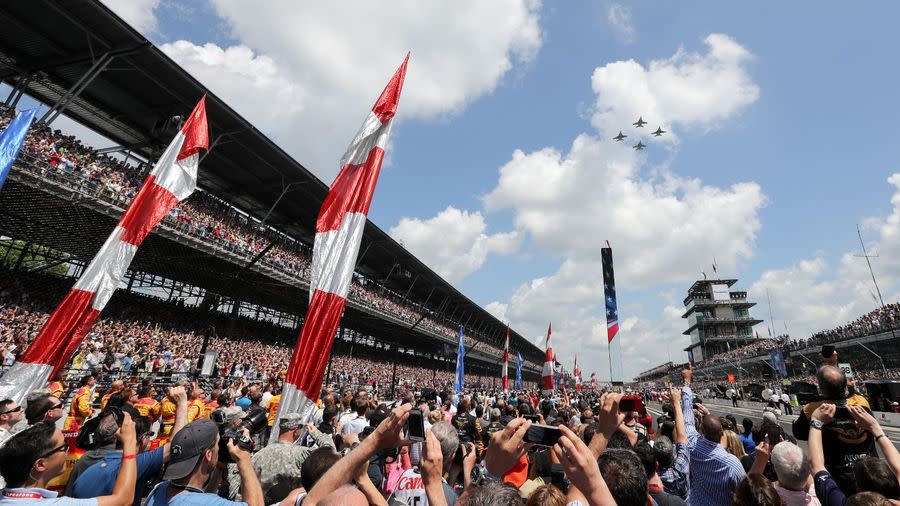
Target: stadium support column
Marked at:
394, 380
60, 106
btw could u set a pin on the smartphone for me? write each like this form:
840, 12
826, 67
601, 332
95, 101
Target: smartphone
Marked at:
533, 418
415, 426
842, 413
631, 403
542, 435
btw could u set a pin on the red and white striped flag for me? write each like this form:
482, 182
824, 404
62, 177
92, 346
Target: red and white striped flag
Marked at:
339, 230
547, 375
172, 180
576, 374
505, 372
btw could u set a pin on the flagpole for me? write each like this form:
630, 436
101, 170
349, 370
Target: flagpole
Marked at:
609, 354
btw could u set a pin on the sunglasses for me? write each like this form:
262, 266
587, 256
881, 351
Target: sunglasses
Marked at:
13, 410
63, 448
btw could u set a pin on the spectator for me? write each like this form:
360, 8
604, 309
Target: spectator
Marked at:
280, 463
755, 490
844, 442
10, 414
194, 460
33, 457
714, 472
794, 481
410, 487
655, 486
99, 478
43, 407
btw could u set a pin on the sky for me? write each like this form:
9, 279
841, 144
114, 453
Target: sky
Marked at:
502, 174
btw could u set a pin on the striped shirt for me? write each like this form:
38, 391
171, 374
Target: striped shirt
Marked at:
714, 473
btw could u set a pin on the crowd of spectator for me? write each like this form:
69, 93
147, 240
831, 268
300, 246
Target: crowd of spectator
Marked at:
207, 218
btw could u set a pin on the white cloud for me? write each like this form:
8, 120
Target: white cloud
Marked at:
138, 13
337, 61
663, 227
688, 88
812, 295
596, 192
619, 17
498, 309
454, 243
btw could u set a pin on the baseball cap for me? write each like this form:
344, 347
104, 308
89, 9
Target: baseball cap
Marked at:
188, 445
289, 421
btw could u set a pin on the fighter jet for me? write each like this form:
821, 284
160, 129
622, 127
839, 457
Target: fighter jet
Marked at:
659, 131
639, 146
640, 122
620, 136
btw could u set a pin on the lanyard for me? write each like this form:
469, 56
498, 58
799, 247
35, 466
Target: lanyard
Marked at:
21, 494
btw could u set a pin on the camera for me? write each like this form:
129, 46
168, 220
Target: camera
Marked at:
254, 422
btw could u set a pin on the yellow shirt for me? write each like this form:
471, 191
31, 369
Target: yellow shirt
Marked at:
272, 407
56, 389
167, 411
81, 409
149, 407
195, 410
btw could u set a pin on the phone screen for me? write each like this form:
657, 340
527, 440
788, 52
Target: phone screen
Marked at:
542, 435
533, 418
415, 426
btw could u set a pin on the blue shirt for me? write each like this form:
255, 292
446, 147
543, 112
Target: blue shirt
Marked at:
714, 473
158, 498
100, 478
749, 444
675, 477
243, 403
48, 498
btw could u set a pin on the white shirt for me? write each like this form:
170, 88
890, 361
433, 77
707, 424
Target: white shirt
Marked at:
5, 434
785, 398
355, 426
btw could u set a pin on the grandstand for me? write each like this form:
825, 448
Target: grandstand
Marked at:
237, 250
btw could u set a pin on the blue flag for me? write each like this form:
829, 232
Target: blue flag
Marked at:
460, 355
519, 371
11, 140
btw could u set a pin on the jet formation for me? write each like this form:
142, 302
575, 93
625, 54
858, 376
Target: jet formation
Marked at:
639, 124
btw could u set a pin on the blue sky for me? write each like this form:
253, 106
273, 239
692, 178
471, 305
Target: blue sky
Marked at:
781, 120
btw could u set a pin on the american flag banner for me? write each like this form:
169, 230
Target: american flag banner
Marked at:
171, 181
339, 229
505, 370
614, 345
609, 287
547, 374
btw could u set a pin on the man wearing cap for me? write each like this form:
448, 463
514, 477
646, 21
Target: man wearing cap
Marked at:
193, 469
98, 477
278, 464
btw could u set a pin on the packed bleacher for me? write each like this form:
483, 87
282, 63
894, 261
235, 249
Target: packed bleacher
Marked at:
203, 216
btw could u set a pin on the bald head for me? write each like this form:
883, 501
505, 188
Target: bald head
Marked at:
348, 495
832, 382
117, 386
711, 428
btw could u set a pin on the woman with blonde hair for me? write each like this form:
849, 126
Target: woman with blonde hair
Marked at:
546, 495
733, 445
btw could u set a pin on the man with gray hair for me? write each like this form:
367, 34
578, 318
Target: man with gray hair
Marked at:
792, 469
278, 464
410, 487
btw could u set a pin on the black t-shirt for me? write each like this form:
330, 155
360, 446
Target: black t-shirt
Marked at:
465, 427
663, 498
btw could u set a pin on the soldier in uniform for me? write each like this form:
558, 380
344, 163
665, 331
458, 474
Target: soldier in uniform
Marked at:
278, 464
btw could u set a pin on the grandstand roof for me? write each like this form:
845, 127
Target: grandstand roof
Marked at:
57, 43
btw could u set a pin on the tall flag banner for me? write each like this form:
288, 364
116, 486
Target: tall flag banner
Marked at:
547, 375
171, 181
11, 140
460, 357
505, 370
339, 230
614, 345
518, 371
576, 375
593, 381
